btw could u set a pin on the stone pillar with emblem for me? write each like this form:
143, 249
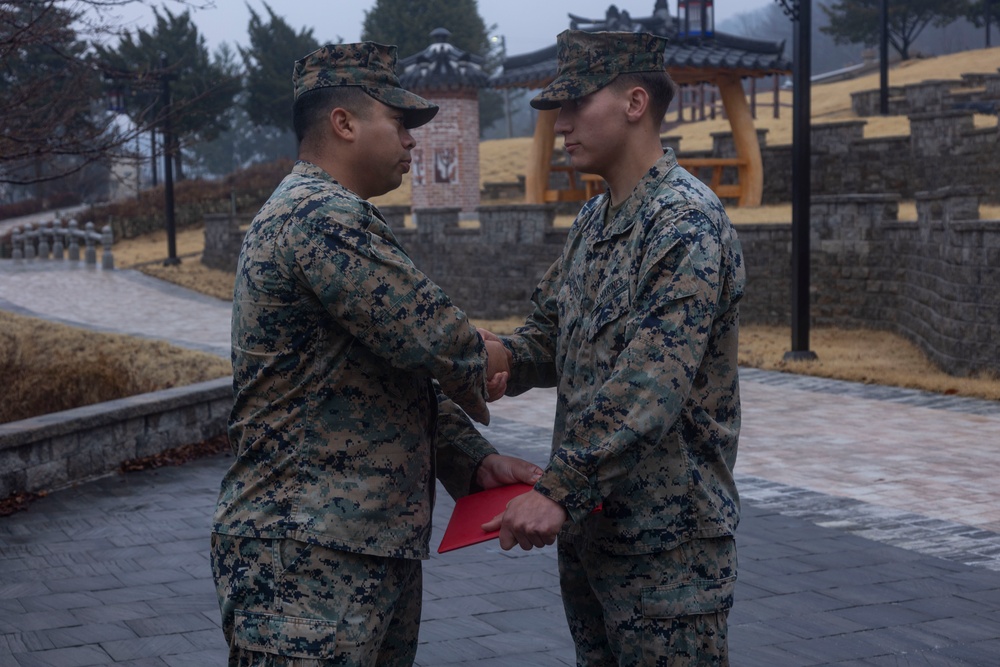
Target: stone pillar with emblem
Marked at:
445, 167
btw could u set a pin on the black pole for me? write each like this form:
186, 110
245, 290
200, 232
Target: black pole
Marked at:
989, 15
152, 149
883, 55
168, 167
801, 153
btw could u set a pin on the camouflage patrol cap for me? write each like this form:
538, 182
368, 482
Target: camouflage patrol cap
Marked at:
588, 61
367, 65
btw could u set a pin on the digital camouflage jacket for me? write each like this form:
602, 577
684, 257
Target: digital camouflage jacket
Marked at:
636, 324
343, 355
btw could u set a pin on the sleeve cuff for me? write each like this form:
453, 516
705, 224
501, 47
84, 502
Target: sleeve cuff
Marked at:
570, 488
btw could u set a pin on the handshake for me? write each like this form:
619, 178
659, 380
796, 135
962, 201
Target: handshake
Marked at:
497, 366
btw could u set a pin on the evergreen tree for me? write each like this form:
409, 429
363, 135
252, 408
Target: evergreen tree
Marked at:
981, 11
268, 61
202, 88
50, 96
408, 25
857, 21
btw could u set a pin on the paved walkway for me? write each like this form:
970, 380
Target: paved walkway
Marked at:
870, 536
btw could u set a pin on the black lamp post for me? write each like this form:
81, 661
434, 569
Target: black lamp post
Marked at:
168, 167
800, 13
695, 18
883, 56
147, 81
988, 4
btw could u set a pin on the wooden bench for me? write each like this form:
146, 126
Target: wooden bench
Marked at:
717, 164
573, 192
594, 184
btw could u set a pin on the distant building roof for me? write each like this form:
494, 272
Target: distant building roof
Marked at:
689, 60
443, 67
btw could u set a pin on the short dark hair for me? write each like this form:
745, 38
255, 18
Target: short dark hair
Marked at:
311, 108
660, 87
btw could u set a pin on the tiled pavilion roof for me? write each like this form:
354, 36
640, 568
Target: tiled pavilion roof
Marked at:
689, 60
443, 67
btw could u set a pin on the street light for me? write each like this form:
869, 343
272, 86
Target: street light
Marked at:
695, 18
168, 166
883, 56
800, 13
146, 81
502, 40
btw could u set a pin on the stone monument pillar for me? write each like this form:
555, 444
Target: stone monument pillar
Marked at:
445, 169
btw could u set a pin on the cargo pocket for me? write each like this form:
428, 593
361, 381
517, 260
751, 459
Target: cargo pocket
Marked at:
690, 598
286, 636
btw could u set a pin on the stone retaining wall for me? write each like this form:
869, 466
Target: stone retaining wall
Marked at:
935, 281
223, 237
942, 149
65, 448
490, 272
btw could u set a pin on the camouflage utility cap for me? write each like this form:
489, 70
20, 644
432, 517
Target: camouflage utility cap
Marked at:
367, 65
588, 61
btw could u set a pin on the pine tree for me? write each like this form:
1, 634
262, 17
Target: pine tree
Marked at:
201, 88
274, 47
854, 21
408, 25
50, 96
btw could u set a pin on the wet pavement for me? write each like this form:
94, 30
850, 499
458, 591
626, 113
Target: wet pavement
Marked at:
870, 531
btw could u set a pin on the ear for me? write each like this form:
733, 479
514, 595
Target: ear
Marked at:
638, 103
343, 123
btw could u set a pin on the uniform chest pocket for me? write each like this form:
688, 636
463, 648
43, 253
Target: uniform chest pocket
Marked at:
613, 302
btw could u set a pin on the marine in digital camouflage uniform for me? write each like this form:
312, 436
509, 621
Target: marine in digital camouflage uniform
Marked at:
636, 325
353, 374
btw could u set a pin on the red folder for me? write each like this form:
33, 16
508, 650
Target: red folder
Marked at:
472, 511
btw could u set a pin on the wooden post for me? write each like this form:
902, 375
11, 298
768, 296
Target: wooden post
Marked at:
536, 177
744, 138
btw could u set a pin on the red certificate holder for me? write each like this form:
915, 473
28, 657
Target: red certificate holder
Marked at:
472, 511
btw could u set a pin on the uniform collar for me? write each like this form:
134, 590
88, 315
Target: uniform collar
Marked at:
643, 192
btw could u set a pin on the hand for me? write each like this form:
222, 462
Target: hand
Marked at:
499, 470
497, 366
488, 335
496, 387
498, 358
531, 520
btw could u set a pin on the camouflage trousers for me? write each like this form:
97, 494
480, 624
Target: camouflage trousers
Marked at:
666, 609
287, 603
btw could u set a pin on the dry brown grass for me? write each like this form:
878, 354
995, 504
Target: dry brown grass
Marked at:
47, 367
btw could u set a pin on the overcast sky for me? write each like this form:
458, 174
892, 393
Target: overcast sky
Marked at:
526, 25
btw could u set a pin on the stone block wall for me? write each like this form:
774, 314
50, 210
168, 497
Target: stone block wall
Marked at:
942, 149
767, 252
223, 237
935, 281
492, 271
868, 102
64, 448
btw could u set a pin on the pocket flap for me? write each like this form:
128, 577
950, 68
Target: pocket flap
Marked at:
691, 598
285, 635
